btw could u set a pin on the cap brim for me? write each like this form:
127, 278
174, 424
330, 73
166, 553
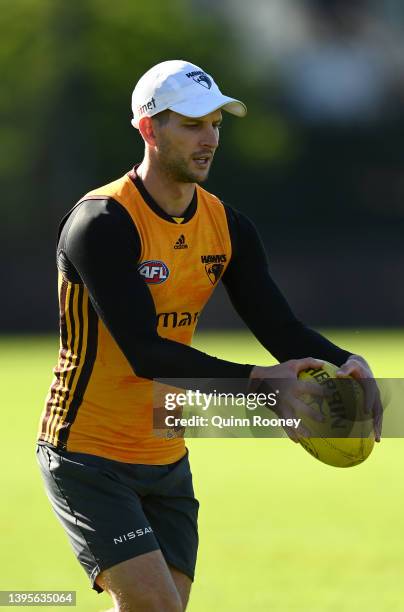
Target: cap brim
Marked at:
205, 105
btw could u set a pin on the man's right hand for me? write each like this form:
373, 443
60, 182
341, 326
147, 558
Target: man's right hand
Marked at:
284, 378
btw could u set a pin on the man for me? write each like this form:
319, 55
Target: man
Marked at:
138, 259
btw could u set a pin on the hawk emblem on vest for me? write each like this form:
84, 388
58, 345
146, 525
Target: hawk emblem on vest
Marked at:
214, 272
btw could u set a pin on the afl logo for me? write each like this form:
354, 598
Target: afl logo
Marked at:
153, 271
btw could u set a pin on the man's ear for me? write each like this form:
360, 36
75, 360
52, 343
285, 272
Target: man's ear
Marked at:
146, 130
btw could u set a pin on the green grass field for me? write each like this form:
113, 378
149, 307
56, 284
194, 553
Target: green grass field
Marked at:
279, 530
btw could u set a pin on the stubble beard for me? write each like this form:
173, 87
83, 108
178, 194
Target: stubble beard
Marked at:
177, 168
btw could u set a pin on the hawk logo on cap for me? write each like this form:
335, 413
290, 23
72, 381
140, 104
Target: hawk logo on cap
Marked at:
201, 78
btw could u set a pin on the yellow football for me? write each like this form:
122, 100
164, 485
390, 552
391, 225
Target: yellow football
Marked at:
345, 437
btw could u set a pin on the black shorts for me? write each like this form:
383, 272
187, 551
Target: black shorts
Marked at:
114, 511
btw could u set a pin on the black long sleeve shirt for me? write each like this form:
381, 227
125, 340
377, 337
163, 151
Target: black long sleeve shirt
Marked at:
100, 247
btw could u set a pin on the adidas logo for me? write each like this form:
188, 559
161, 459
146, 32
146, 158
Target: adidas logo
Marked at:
181, 243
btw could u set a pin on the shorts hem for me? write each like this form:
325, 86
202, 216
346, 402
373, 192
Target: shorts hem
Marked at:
178, 566
181, 568
109, 564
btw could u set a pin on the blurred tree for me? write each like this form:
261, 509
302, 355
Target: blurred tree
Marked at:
28, 71
68, 71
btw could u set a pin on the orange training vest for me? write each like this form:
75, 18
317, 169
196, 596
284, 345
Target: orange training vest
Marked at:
96, 403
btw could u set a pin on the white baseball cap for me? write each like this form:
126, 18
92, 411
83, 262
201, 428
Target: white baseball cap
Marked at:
183, 88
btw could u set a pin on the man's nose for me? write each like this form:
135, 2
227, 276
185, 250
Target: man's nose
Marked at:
210, 137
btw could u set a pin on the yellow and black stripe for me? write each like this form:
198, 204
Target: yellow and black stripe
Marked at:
65, 339
78, 335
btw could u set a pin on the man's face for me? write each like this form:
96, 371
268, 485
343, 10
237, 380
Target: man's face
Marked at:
185, 147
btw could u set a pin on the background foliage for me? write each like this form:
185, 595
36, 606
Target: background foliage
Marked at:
325, 197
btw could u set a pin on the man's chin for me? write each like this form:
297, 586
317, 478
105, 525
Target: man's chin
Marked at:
201, 175
190, 174
203, 179
194, 177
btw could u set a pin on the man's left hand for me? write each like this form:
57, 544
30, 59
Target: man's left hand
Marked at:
358, 368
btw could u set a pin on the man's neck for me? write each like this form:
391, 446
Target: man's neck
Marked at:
173, 197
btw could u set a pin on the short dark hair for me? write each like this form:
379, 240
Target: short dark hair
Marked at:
162, 117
